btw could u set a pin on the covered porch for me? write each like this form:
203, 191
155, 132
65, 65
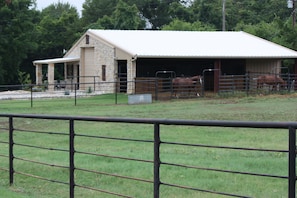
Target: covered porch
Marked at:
71, 71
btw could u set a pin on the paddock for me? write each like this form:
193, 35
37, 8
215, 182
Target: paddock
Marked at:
100, 170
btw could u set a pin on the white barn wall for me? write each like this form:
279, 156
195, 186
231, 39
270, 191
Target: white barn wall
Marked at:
103, 55
131, 68
263, 65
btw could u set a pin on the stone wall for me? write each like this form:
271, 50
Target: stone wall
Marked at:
104, 56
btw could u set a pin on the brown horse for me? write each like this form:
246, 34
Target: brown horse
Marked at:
185, 85
270, 80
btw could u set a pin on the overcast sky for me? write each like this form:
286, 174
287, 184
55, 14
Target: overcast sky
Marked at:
41, 4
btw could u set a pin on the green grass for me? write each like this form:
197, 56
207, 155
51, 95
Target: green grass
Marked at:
265, 108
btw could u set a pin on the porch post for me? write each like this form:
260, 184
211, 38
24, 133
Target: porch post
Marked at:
65, 71
131, 75
38, 73
51, 76
75, 73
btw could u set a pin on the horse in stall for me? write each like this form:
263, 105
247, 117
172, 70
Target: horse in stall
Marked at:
273, 80
185, 85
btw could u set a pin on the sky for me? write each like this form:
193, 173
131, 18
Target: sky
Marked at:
41, 4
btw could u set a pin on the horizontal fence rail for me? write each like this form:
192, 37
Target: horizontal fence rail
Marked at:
158, 88
72, 149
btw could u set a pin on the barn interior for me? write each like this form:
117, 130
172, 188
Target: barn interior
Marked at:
154, 67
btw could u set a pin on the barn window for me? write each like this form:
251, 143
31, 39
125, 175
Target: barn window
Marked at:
103, 72
70, 70
87, 39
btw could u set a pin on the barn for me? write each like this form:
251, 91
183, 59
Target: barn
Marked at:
126, 55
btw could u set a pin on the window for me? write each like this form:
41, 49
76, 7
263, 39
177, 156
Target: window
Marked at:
103, 72
70, 70
87, 39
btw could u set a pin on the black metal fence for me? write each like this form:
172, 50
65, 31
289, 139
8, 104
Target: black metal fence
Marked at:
34, 93
249, 84
159, 88
70, 145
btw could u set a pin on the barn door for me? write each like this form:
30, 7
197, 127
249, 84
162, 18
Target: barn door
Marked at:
122, 76
87, 67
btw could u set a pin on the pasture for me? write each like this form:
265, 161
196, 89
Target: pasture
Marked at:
260, 108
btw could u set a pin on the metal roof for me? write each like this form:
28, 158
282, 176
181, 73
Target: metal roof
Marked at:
192, 44
56, 60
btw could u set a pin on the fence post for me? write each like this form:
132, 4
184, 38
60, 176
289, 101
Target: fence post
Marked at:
292, 162
247, 83
71, 158
117, 82
75, 88
11, 157
157, 161
156, 88
94, 83
233, 84
31, 97
288, 82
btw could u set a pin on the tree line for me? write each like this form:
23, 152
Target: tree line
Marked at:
28, 34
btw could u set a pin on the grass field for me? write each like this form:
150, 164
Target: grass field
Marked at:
261, 108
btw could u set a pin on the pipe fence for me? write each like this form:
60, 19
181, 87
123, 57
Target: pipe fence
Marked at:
72, 136
159, 88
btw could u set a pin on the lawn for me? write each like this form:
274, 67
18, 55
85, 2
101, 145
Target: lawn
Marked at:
260, 108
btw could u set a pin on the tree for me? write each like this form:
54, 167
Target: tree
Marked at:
207, 12
58, 29
179, 10
186, 26
127, 17
96, 9
124, 17
17, 37
157, 12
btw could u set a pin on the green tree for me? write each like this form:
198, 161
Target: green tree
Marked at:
157, 12
179, 10
187, 26
96, 9
58, 29
238, 12
124, 17
127, 17
207, 12
17, 37
262, 30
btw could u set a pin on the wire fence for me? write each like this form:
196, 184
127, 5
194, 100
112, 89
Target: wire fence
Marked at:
79, 154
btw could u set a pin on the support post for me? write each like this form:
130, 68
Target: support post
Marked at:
156, 88
71, 158
217, 69
157, 160
38, 73
292, 163
51, 76
11, 156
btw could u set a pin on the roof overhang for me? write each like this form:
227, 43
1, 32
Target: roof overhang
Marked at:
56, 60
213, 57
192, 44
